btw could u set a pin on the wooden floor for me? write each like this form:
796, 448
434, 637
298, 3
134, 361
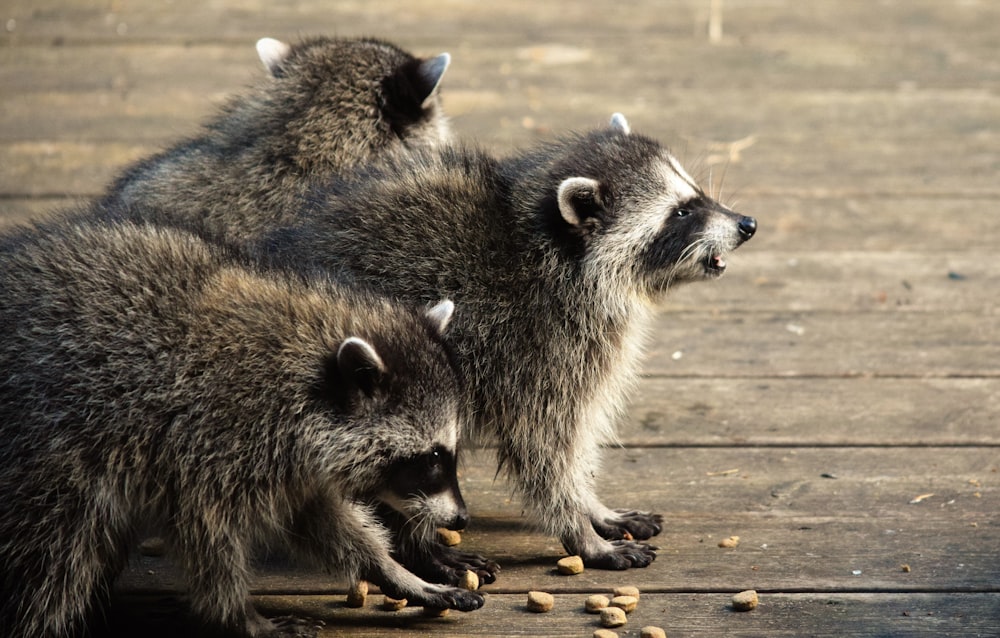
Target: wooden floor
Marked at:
833, 401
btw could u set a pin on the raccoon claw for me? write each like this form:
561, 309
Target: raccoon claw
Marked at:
452, 598
445, 565
630, 525
292, 627
624, 554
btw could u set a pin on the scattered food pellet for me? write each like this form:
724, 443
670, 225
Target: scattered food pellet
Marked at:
357, 594
449, 537
596, 603
730, 542
627, 590
604, 633
904, 567
393, 604
469, 581
435, 612
613, 617
625, 603
745, 600
570, 565
652, 632
540, 601
153, 546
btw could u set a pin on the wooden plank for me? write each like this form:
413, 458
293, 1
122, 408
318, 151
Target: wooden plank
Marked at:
793, 615
813, 412
795, 344
800, 531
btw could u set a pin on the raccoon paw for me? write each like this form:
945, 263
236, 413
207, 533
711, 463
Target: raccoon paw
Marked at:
441, 597
439, 564
629, 525
292, 627
623, 555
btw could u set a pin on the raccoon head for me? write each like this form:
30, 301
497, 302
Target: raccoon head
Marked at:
353, 98
404, 399
635, 212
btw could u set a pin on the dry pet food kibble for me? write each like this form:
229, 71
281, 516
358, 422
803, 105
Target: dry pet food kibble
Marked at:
625, 603
613, 617
604, 633
730, 542
469, 581
449, 537
393, 604
627, 590
652, 632
435, 612
540, 601
357, 594
570, 565
745, 600
596, 603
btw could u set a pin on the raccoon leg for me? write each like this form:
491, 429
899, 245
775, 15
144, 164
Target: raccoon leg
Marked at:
429, 559
345, 536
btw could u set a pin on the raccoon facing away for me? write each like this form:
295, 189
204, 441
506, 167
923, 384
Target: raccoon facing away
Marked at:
558, 257
326, 105
150, 380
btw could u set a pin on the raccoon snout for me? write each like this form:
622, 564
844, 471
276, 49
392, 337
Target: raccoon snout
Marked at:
747, 227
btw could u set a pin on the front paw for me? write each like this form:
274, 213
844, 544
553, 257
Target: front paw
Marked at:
441, 597
446, 565
622, 554
629, 525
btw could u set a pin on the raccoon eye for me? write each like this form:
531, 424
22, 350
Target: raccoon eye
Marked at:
681, 212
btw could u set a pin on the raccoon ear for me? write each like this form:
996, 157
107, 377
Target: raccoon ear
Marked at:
580, 199
440, 315
619, 123
272, 53
360, 365
430, 72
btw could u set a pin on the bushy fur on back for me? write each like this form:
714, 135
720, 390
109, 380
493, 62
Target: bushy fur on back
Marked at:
148, 378
558, 257
326, 105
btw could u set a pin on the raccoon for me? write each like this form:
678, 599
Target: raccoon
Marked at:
326, 105
148, 378
559, 256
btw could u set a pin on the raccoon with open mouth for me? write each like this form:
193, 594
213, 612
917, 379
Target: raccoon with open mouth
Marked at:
558, 257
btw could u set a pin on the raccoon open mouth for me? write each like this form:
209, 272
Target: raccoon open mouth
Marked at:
715, 265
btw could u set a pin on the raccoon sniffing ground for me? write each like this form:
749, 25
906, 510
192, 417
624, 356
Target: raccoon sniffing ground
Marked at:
558, 257
326, 105
149, 380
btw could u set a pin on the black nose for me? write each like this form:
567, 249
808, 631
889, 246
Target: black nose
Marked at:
748, 226
460, 522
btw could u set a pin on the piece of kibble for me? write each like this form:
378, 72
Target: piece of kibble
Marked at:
652, 632
627, 590
539, 601
357, 594
393, 604
604, 633
435, 612
449, 537
745, 600
904, 567
730, 542
570, 565
469, 581
613, 617
625, 603
596, 603
153, 546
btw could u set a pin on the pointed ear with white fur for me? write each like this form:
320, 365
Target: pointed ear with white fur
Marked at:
360, 365
579, 200
619, 123
430, 72
440, 315
272, 53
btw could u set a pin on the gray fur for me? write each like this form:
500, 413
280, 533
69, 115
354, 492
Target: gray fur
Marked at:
149, 378
558, 257
326, 105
